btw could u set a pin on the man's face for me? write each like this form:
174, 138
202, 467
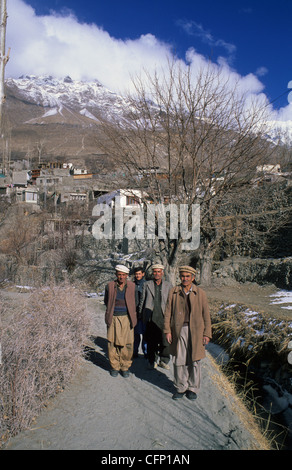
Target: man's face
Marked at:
139, 275
121, 277
186, 279
157, 274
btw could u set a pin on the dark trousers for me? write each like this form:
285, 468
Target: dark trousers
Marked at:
156, 343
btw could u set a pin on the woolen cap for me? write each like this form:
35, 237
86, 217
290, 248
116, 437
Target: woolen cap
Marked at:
157, 266
122, 269
187, 269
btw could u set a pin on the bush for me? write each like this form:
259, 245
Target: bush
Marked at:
255, 339
41, 348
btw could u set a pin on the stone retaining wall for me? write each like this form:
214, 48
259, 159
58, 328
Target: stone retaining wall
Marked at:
261, 271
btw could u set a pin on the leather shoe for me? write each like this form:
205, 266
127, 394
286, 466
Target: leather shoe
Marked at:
114, 373
177, 395
125, 373
191, 395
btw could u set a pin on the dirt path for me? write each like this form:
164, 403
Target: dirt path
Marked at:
99, 412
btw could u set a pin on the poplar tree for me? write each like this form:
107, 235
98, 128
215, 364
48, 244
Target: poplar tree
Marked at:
3, 61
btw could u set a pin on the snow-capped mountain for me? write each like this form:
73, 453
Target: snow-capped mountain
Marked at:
60, 116
92, 100
63, 115
65, 99
280, 132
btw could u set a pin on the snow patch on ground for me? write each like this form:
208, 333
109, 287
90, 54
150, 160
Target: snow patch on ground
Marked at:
282, 297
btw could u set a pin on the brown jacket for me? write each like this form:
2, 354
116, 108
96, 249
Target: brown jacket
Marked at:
200, 320
110, 297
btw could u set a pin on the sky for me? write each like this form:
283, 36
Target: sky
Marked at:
111, 41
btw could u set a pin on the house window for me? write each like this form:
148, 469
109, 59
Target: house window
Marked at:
31, 196
131, 201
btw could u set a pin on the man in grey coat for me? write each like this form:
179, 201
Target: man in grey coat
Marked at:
154, 298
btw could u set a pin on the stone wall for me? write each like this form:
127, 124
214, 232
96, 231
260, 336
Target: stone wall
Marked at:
94, 262
261, 271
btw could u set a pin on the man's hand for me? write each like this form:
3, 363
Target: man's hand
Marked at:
205, 340
168, 338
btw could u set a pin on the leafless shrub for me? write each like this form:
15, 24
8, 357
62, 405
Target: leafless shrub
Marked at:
41, 349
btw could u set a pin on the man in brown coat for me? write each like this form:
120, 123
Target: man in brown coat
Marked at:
187, 326
120, 318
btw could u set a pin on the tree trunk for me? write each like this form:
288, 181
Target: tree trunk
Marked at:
206, 262
171, 273
168, 254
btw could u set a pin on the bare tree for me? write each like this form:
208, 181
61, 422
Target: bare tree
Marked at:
198, 140
18, 233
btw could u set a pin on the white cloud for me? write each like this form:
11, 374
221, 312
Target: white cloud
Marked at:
261, 71
195, 29
248, 84
284, 114
59, 45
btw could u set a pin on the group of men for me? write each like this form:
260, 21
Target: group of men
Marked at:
168, 321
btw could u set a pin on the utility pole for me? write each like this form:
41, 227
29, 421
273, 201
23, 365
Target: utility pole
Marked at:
3, 61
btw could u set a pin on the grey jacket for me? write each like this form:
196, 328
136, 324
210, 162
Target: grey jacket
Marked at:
147, 299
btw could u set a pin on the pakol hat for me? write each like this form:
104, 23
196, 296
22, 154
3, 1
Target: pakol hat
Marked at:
157, 266
187, 269
122, 269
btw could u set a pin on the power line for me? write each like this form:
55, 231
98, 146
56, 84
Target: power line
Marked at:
280, 96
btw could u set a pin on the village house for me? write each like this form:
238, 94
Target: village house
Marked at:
270, 169
14, 182
28, 195
272, 173
51, 176
71, 196
80, 171
126, 197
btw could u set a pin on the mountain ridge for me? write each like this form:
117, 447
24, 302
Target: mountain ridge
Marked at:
63, 115
59, 115
53, 93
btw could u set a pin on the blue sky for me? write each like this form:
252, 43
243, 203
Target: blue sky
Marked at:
108, 40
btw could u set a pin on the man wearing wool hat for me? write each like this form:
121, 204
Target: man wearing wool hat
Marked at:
154, 297
120, 318
187, 326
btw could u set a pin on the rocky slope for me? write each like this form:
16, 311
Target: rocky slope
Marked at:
62, 115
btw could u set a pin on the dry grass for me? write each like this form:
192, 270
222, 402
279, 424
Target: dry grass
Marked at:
240, 406
42, 345
256, 344
251, 335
